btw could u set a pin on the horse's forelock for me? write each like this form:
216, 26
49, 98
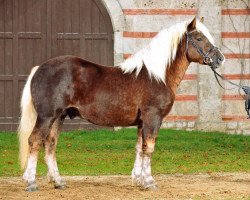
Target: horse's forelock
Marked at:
202, 28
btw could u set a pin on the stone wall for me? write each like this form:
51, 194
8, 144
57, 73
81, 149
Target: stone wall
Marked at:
201, 104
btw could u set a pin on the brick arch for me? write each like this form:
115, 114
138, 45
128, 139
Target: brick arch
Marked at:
119, 26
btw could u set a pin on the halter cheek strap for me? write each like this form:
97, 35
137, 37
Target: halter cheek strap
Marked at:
206, 59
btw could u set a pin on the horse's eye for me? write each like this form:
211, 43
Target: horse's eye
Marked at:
199, 39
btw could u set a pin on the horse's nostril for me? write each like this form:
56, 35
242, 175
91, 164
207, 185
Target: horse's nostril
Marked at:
220, 59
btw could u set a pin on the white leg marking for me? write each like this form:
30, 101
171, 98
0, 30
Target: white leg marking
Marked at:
148, 180
53, 172
137, 170
30, 173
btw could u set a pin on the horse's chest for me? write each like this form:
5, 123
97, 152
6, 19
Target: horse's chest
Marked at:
164, 102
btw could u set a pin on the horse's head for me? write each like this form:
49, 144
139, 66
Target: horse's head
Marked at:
200, 47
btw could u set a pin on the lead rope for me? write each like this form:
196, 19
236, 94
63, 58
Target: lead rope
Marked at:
246, 89
223, 78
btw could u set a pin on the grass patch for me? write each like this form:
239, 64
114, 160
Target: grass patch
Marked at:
105, 152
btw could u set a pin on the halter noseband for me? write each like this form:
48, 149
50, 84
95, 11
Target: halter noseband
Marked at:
206, 59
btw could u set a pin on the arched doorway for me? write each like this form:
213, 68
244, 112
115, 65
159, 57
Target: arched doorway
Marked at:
33, 31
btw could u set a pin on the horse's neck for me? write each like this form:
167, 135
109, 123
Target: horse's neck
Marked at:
176, 71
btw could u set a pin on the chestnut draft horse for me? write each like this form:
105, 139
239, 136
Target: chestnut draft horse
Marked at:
140, 92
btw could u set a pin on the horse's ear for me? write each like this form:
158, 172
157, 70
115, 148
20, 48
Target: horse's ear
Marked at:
202, 20
192, 25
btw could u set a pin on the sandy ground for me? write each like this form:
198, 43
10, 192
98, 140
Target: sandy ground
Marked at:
228, 186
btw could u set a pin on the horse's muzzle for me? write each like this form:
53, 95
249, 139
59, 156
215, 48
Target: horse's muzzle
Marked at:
217, 59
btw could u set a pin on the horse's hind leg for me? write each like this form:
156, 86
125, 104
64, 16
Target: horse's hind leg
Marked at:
36, 139
29, 175
50, 155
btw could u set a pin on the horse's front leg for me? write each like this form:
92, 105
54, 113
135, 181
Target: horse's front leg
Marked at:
137, 170
147, 134
148, 144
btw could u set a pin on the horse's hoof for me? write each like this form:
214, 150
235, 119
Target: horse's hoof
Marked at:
50, 179
136, 181
32, 188
60, 186
150, 186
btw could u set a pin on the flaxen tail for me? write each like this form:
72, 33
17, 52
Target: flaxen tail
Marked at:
28, 120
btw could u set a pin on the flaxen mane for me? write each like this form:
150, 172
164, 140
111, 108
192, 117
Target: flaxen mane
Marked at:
161, 51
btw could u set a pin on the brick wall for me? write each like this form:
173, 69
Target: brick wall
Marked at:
201, 104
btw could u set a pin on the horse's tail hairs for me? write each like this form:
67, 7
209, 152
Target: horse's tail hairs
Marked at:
28, 120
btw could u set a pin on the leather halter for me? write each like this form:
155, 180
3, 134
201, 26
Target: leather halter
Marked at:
206, 59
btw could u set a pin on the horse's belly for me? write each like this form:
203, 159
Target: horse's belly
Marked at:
104, 116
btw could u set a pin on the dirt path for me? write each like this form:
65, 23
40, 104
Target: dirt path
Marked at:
202, 186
